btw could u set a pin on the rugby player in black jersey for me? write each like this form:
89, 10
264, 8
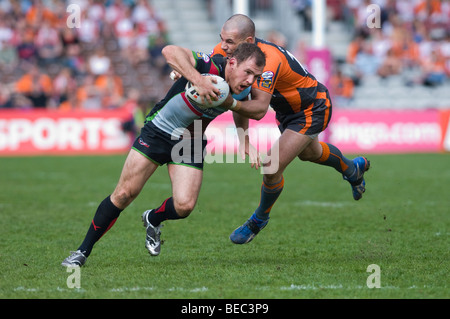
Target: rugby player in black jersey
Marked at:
164, 128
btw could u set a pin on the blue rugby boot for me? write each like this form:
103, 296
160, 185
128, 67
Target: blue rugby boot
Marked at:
357, 181
245, 233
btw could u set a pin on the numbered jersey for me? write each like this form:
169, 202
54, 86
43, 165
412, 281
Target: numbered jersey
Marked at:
293, 89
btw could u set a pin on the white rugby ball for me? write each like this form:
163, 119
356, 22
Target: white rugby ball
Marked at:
194, 97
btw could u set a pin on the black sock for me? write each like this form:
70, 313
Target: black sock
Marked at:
164, 212
105, 217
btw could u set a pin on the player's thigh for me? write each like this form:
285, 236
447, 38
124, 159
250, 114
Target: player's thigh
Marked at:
186, 184
286, 148
136, 170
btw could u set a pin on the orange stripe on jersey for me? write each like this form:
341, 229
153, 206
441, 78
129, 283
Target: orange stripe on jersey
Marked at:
308, 119
293, 89
326, 119
295, 100
323, 95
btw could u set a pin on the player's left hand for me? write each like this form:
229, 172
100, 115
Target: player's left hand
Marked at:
253, 155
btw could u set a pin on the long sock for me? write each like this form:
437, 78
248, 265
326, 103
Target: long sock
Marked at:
269, 195
104, 218
164, 212
332, 156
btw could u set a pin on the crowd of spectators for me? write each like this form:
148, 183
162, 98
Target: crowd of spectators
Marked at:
114, 55
48, 61
404, 38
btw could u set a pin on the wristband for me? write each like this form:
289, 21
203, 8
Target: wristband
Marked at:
234, 106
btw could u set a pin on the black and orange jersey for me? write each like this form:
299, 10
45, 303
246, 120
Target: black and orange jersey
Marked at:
294, 90
292, 87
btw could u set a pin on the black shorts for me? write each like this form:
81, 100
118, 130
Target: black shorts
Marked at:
313, 119
160, 148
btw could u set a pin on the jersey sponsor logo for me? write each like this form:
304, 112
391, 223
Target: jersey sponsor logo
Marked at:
202, 56
267, 79
95, 226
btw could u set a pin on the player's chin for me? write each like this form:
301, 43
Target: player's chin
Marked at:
238, 89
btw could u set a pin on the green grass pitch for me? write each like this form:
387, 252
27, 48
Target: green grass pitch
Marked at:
318, 243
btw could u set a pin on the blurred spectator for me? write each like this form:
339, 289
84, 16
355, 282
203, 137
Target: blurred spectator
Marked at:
63, 84
8, 53
70, 41
39, 14
89, 31
157, 60
277, 38
434, 69
26, 49
142, 12
71, 103
342, 87
391, 65
110, 87
131, 105
48, 45
99, 62
354, 48
6, 99
88, 96
6, 32
366, 62
36, 86
124, 29
72, 57
137, 49
303, 9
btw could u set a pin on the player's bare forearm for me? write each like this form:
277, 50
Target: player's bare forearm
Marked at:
241, 123
182, 61
253, 109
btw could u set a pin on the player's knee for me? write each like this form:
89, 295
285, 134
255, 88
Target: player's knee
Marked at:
272, 178
123, 197
184, 207
306, 157
309, 155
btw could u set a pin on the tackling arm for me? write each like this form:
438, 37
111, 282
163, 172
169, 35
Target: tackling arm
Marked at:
245, 148
255, 108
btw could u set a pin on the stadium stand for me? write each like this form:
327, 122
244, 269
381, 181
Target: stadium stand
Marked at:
115, 55
116, 50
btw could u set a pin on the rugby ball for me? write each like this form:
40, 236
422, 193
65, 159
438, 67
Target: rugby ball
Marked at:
194, 97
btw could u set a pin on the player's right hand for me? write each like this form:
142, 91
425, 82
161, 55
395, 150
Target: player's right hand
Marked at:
206, 89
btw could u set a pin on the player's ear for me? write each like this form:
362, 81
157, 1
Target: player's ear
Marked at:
232, 61
249, 40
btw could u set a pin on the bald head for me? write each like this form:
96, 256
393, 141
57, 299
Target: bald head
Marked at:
237, 29
241, 24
